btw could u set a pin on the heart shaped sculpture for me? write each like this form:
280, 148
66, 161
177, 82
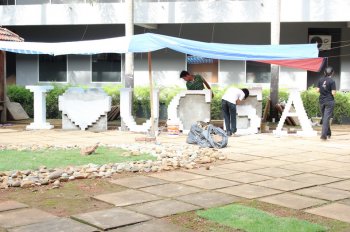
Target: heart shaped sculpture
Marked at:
84, 107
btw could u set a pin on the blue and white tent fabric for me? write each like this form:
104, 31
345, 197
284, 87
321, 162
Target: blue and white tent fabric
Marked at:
303, 56
149, 42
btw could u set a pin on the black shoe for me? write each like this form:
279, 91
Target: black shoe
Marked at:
328, 136
229, 133
323, 138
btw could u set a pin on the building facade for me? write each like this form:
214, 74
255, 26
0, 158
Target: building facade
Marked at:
224, 21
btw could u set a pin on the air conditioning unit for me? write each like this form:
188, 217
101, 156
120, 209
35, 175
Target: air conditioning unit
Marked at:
324, 42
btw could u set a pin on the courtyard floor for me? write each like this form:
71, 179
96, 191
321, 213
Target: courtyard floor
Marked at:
304, 174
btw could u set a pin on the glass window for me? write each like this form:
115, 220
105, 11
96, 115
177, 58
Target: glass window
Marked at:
67, 1
257, 72
32, 2
106, 67
52, 68
206, 67
7, 2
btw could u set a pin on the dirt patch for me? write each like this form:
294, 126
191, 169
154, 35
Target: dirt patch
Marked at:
71, 198
191, 221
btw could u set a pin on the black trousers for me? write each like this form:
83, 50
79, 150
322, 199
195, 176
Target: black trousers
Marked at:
327, 112
229, 111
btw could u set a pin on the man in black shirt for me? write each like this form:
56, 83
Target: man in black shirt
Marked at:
326, 88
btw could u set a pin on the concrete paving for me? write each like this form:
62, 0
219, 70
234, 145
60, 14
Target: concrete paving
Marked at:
138, 182
171, 190
336, 211
209, 199
11, 205
127, 197
292, 201
56, 225
152, 226
14, 218
163, 208
111, 218
298, 173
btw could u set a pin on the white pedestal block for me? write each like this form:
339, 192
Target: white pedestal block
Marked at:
39, 107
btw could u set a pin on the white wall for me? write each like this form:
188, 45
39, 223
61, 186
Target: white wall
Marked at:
224, 11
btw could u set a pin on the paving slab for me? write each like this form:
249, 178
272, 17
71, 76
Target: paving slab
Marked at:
171, 190
292, 201
267, 162
56, 225
212, 171
210, 183
327, 163
11, 205
344, 185
240, 157
111, 218
324, 193
244, 177
138, 181
23, 217
313, 178
127, 197
340, 173
283, 184
345, 202
249, 191
176, 176
163, 208
152, 226
275, 172
342, 159
209, 199
240, 166
335, 211
303, 167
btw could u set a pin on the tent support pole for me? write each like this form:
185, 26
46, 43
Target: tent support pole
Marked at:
152, 129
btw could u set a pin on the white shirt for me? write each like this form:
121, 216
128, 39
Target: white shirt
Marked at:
233, 94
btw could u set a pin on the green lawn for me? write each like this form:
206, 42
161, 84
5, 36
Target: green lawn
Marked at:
23, 160
254, 220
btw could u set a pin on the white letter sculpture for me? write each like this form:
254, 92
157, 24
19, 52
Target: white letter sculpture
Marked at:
39, 107
195, 108
126, 108
84, 109
295, 99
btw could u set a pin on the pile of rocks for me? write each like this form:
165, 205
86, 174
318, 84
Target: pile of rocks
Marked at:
169, 157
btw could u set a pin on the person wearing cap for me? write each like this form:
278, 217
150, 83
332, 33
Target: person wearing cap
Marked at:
327, 89
232, 97
194, 82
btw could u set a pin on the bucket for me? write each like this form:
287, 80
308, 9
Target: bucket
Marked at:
173, 128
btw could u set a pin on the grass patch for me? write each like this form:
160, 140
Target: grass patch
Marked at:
255, 220
23, 160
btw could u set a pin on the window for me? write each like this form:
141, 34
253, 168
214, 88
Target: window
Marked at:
7, 2
257, 72
106, 67
52, 68
206, 67
32, 2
